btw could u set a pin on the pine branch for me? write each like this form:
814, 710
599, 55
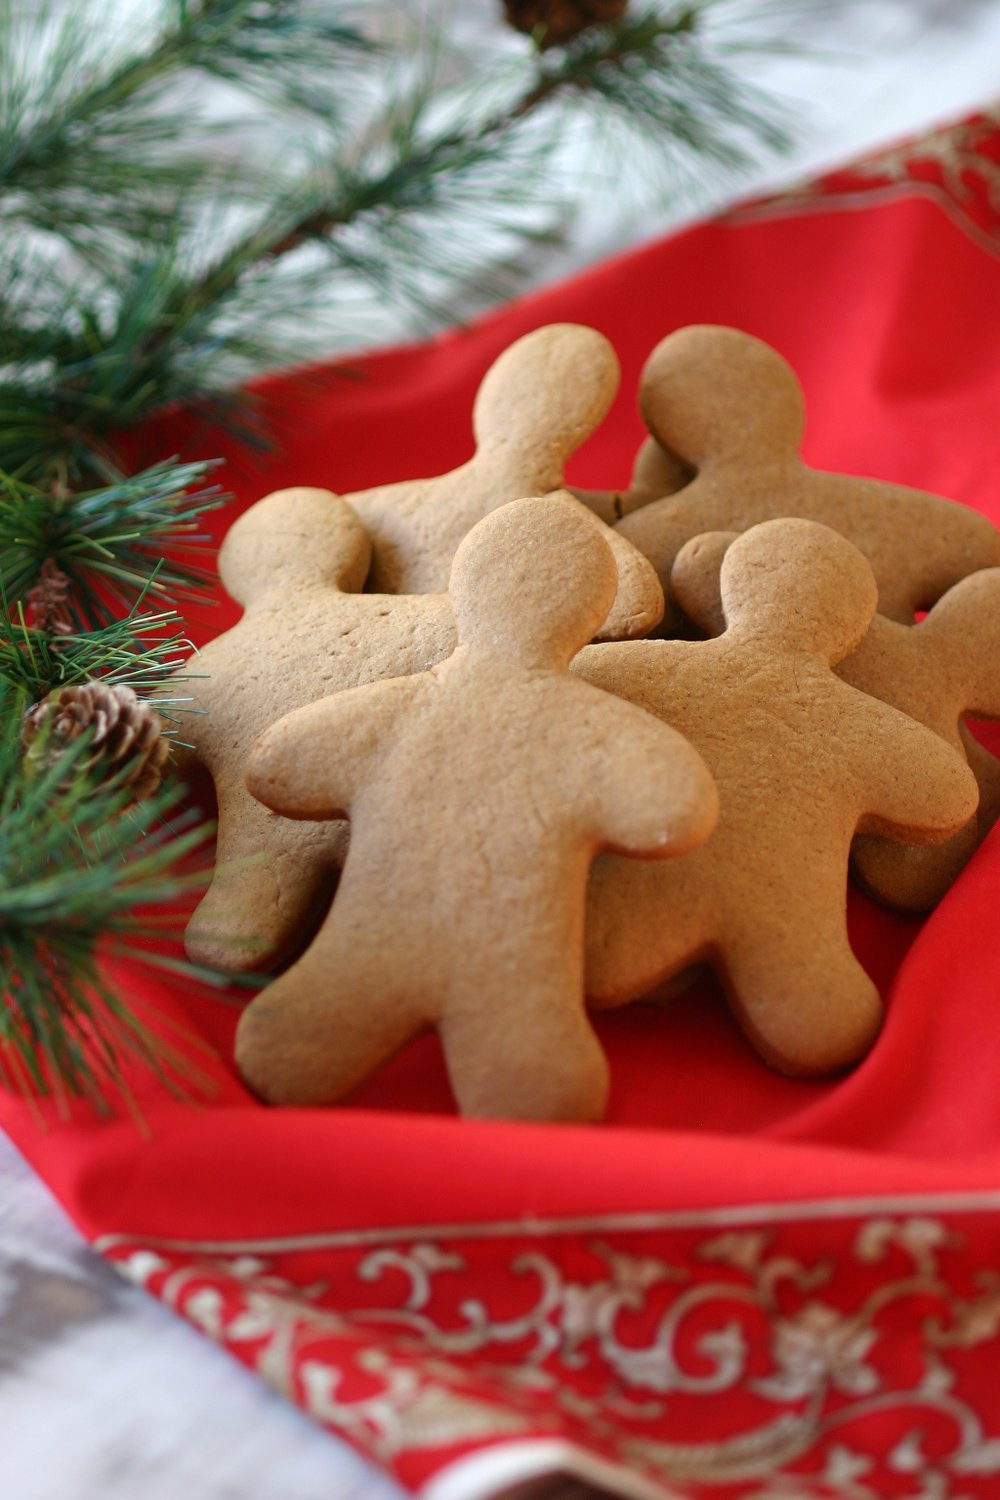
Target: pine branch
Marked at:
648, 70
652, 74
113, 543
408, 212
88, 144
74, 866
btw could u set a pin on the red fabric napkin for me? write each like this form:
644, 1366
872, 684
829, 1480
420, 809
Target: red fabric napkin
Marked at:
738, 1276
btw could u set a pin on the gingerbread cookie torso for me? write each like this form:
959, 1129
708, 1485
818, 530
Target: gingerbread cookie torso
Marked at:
729, 408
802, 761
937, 671
478, 795
295, 561
539, 401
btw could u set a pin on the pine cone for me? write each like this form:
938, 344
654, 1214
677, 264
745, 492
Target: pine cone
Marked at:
562, 19
125, 735
48, 601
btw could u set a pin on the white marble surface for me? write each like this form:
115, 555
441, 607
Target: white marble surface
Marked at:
103, 1394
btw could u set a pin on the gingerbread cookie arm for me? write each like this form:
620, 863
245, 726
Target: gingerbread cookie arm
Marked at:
664, 800
659, 531
650, 791
986, 769
694, 579
183, 754
655, 473
961, 642
309, 764
924, 791
293, 540
606, 505
635, 675
964, 626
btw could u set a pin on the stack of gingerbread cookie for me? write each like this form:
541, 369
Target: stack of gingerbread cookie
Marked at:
524, 822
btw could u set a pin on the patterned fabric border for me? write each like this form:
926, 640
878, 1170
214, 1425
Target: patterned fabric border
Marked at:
850, 1354
957, 166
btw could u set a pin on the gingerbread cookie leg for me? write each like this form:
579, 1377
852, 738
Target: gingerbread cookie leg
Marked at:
808, 1008
325, 1025
525, 1051
270, 881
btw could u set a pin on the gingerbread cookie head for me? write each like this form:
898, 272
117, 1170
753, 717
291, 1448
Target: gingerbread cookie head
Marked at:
542, 398
545, 603
799, 585
963, 629
537, 404
829, 605
707, 389
478, 795
292, 540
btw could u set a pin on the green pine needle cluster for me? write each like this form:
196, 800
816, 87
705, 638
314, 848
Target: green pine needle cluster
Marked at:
190, 246
89, 143
143, 651
157, 249
75, 864
113, 543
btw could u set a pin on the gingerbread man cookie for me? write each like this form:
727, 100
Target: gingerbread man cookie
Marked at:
536, 405
802, 762
295, 561
936, 671
731, 408
478, 794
